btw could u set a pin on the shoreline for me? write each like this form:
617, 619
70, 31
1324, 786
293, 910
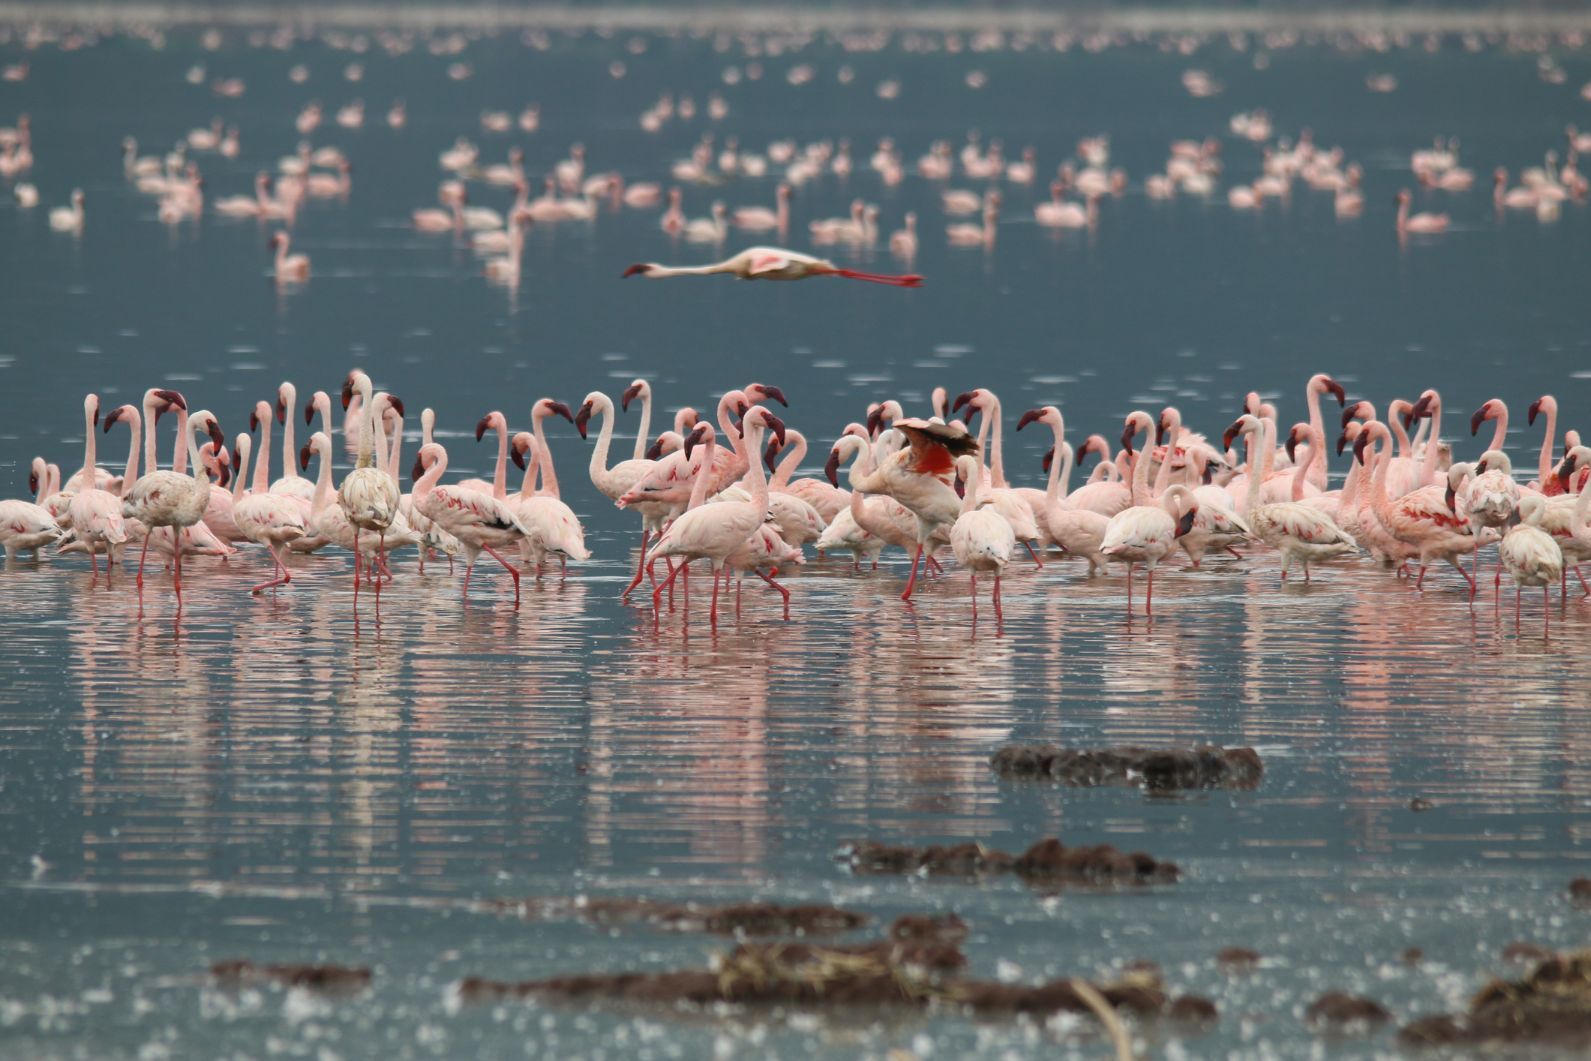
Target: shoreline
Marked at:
777, 19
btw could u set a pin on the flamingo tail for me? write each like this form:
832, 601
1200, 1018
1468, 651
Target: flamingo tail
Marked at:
910, 280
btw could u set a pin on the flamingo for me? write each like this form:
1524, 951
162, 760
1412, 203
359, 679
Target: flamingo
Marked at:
1566, 517
479, 521
713, 532
69, 218
849, 527
917, 477
762, 219
169, 498
368, 496
271, 520
1298, 530
1146, 534
770, 263
553, 524
1531, 555
1016, 505
1058, 213
1492, 500
27, 526
981, 538
825, 498
1421, 520
96, 515
1079, 531
967, 234
796, 520
290, 268
1418, 222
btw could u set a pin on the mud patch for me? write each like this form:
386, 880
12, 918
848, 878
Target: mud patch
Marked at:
1046, 862
753, 919
1341, 1013
1550, 1007
1155, 769
331, 979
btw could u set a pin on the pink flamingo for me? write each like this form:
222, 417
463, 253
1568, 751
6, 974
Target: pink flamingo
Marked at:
981, 538
918, 477
96, 515
770, 263
1417, 222
290, 268
479, 521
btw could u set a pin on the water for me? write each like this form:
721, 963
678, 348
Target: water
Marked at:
265, 784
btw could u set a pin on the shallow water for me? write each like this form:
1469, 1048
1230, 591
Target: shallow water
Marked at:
260, 782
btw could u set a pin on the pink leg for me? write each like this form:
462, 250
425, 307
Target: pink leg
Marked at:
714, 614
782, 591
469, 569
176, 578
143, 554
972, 591
1129, 592
657, 592
1036, 561
279, 566
999, 615
1420, 582
510, 568
640, 564
738, 581
934, 565
1581, 576
1234, 552
912, 581
1149, 598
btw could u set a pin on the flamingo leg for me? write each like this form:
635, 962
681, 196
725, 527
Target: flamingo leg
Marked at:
999, 614
510, 568
640, 565
469, 569
1517, 592
1546, 611
657, 592
287, 576
1234, 552
972, 591
912, 581
714, 613
1460, 569
1149, 597
782, 591
176, 578
1581, 576
1036, 561
1420, 582
143, 554
934, 565
738, 580
1129, 592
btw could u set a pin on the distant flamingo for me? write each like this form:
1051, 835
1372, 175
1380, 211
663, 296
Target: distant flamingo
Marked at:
290, 268
1417, 222
770, 263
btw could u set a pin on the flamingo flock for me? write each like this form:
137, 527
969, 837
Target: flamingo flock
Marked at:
724, 490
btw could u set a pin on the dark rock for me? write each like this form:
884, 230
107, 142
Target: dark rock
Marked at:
1412, 956
327, 978
939, 928
1157, 769
1048, 861
736, 919
1580, 891
1238, 959
1193, 1010
1420, 803
1340, 1011
1525, 952
1550, 1007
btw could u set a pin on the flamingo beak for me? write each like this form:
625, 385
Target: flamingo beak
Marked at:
1422, 408
1336, 390
1160, 431
224, 474
1029, 417
348, 392
1535, 408
481, 426
655, 450
517, 455
875, 422
775, 393
33, 483
1342, 442
631, 392
396, 404
1566, 472
582, 418
775, 425
1049, 459
281, 411
769, 454
562, 410
1359, 447
964, 398
1451, 498
1292, 447
639, 269
1226, 438
254, 422
1478, 419
173, 398
418, 469
961, 487
831, 468
303, 458
1127, 436
217, 437
111, 417
1185, 524
309, 411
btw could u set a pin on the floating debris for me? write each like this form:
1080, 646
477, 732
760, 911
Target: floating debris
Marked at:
1048, 861
1238, 959
328, 978
1550, 1007
1157, 769
1580, 891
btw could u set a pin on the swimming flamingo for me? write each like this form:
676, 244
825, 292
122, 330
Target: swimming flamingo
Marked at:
762, 219
1418, 222
290, 268
981, 538
770, 263
903, 241
27, 526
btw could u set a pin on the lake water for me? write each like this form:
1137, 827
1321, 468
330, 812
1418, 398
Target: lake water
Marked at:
261, 783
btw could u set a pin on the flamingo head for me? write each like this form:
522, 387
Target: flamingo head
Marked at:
831, 468
418, 470
698, 435
875, 420
1357, 411
1163, 425
1333, 388
1226, 436
550, 407
1291, 445
633, 391
303, 457
972, 400
309, 411
761, 392
655, 450
348, 390
1428, 404
1359, 445
583, 417
518, 449
213, 429
395, 403
765, 419
639, 269
1543, 404
1566, 469
486, 423
116, 415
770, 454
1032, 416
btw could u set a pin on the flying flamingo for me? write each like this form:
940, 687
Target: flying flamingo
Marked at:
981, 538
713, 532
770, 263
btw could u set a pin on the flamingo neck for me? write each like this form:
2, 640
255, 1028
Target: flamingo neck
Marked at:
130, 476
240, 450
500, 473
289, 450
1301, 476
88, 448
791, 460
151, 456
645, 425
186, 448
366, 453
996, 454
322, 496
759, 481
1060, 467
599, 456
262, 460
1432, 446
527, 485
427, 482
549, 477
1547, 442
395, 451
1499, 427
1256, 441
704, 475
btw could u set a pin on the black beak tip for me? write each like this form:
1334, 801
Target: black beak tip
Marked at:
396, 403
309, 411
831, 468
564, 411
481, 426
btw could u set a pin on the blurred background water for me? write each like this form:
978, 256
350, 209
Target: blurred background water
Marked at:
263, 784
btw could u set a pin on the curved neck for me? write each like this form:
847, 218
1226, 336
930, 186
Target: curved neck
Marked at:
1432, 445
1140, 477
240, 453
1405, 447
549, 478
323, 407
322, 496
1499, 427
645, 425
599, 455
1378, 482
1060, 467
727, 427
1301, 476
791, 460
996, 458
759, 481
527, 485
130, 476
969, 497
88, 448
704, 475
427, 482
1547, 441
262, 459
